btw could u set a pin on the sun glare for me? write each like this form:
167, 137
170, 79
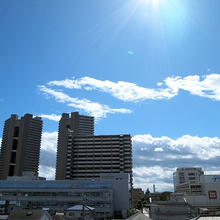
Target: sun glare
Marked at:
154, 3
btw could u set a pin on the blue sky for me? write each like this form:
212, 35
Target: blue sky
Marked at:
145, 67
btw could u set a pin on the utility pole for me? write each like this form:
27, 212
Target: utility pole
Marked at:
84, 201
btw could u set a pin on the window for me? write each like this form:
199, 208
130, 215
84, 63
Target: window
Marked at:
11, 170
14, 144
192, 178
13, 156
16, 131
212, 194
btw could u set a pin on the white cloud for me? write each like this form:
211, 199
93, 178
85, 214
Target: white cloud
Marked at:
158, 149
92, 108
49, 141
150, 172
147, 176
205, 86
203, 148
48, 154
46, 171
52, 117
122, 90
156, 158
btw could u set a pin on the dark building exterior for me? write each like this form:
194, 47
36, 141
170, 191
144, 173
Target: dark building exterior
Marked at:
83, 155
20, 148
92, 155
70, 125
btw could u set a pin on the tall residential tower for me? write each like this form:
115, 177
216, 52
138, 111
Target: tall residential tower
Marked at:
20, 149
81, 154
69, 126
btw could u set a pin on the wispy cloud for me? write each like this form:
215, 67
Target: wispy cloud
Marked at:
92, 108
52, 117
125, 91
207, 86
204, 86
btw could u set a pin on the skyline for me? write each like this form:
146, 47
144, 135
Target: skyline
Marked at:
147, 68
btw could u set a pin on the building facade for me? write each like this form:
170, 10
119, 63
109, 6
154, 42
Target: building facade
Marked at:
81, 154
186, 175
20, 148
108, 195
92, 155
70, 125
203, 192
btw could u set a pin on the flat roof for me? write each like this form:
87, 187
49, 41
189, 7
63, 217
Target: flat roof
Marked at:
53, 184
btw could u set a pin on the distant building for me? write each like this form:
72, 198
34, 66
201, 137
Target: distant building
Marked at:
169, 210
155, 196
77, 211
186, 175
201, 192
137, 194
20, 148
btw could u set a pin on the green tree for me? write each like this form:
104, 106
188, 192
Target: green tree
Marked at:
140, 205
165, 196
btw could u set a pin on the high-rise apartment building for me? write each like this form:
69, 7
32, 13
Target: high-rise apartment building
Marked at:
87, 156
20, 150
70, 125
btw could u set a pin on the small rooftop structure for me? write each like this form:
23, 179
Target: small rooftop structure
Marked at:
77, 211
20, 214
80, 208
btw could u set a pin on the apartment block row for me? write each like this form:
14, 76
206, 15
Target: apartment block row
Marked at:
80, 153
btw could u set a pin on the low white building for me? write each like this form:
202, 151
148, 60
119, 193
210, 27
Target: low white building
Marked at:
203, 191
186, 175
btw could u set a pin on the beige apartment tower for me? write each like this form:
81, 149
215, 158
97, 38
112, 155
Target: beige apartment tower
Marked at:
70, 125
20, 148
81, 155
